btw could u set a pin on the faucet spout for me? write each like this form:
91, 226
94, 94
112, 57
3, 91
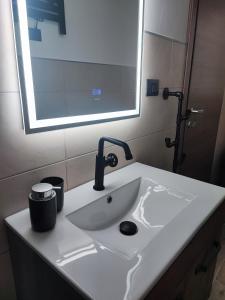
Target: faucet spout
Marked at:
119, 143
128, 154
111, 160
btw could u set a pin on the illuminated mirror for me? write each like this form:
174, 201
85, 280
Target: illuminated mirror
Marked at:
79, 61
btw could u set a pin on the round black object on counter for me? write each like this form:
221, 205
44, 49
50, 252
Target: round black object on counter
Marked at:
58, 186
128, 228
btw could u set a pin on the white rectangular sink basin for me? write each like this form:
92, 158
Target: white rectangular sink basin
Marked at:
144, 202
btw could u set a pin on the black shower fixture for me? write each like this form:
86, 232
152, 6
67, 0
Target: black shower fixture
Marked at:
180, 118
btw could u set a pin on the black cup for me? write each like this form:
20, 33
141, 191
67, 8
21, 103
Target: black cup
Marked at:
43, 213
57, 182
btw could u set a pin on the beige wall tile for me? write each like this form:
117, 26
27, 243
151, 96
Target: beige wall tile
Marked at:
8, 68
157, 55
20, 152
15, 190
157, 114
151, 150
7, 288
80, 169
81, 140
177, 66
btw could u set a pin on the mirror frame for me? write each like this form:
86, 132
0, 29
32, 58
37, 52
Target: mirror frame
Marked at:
30, 122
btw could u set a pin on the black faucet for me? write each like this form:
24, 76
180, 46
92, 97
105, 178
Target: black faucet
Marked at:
111, 160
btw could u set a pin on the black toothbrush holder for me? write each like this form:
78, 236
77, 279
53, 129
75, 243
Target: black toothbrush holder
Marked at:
58, 186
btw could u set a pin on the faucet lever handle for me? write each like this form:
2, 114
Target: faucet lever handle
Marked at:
112, 160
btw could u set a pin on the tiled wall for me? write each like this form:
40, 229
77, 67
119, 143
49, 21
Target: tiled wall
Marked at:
65, 88
70, 153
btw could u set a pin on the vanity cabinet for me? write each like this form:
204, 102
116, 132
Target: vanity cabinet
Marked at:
34, 278
197, 285
190, 276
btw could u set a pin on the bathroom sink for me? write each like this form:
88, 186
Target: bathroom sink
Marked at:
143, 202
87, 247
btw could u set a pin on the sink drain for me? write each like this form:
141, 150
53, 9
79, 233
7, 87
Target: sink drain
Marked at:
128, 228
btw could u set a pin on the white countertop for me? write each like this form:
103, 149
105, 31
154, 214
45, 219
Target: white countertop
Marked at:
99, 272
